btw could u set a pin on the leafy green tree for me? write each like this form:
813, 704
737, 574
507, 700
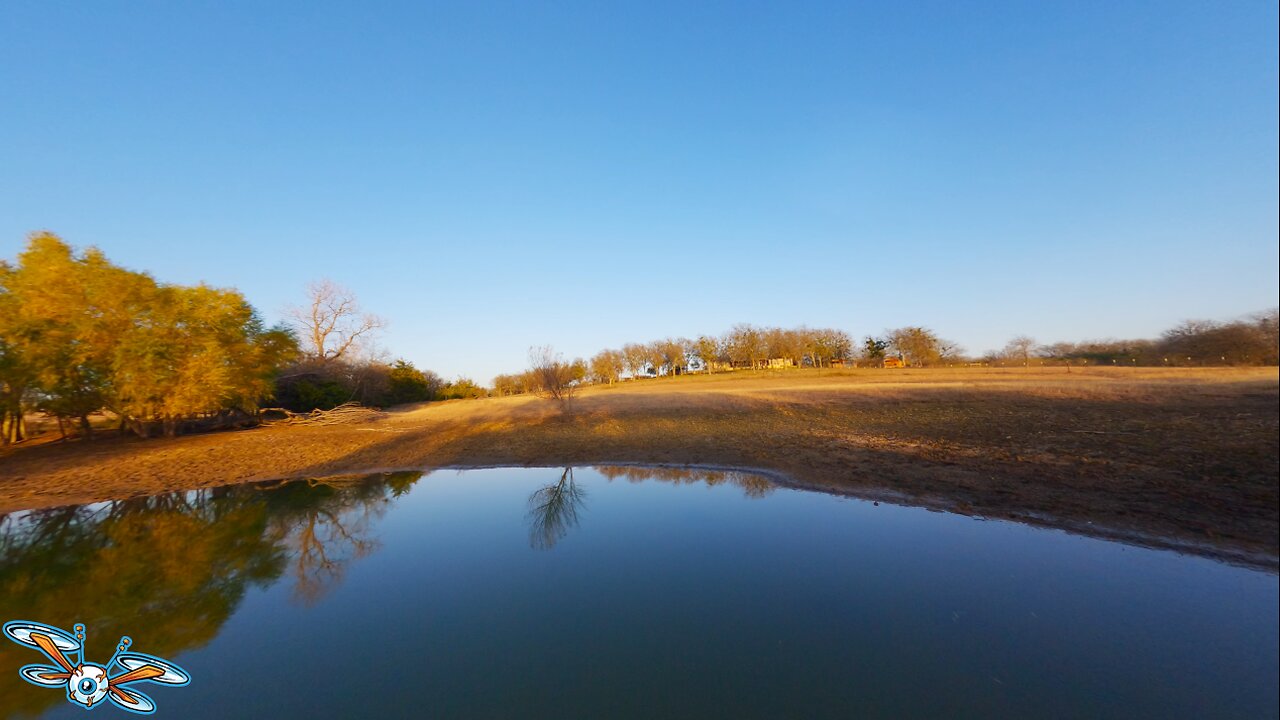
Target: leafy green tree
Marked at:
873, 349
195, 351
68, 310
16, 374
407, 384
81, 335
461, 389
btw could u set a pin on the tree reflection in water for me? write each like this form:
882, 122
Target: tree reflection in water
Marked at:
330, 527
553, 511
171, 569
754, 486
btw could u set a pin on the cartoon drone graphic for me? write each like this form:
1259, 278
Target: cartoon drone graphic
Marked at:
89, 684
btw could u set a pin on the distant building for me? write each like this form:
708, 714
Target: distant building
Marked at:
769, 364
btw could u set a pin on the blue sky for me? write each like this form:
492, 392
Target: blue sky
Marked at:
495, 176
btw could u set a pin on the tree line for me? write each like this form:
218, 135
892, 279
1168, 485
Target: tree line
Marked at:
1248, 341
338, 361
742, 347
1252, 340
80, 335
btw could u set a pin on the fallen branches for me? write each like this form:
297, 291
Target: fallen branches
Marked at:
345, 414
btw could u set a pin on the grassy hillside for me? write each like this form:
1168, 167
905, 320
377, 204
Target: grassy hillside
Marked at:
1179, 457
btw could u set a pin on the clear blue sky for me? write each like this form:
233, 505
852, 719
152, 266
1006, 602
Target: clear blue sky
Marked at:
495, 176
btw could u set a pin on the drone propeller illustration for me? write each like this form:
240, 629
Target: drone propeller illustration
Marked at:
89, 684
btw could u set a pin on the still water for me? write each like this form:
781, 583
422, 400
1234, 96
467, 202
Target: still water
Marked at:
626, 592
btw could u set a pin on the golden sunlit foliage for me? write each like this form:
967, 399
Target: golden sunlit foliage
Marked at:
79, 334
174, 568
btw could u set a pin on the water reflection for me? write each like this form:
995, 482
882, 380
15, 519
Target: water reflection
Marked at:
173, 568
754, 486
332, 529
670, 597
554, 508
553, 511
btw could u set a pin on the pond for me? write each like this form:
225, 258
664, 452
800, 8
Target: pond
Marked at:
626, 592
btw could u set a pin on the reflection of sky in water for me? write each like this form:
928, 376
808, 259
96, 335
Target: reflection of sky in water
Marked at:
600, 593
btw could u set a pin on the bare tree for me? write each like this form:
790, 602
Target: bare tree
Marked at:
557, 379
829, 344
332, 324
916, 345
707, 349
1019, 348
673, 355
655, 358
745, 344
636, 357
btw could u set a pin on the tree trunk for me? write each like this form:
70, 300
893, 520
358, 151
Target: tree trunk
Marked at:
13, 425
86, 427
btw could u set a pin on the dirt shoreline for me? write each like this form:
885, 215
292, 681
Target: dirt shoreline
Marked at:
1181, 459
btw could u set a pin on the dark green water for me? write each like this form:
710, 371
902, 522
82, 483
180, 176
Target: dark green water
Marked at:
532, 593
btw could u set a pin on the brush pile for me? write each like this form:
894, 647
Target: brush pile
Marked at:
351, 413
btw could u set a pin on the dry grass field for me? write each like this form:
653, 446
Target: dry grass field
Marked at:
1183, 458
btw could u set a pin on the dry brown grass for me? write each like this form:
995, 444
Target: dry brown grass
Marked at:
1180, 457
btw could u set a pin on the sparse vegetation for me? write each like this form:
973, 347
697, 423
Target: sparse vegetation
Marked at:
1181, 455
557, 379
